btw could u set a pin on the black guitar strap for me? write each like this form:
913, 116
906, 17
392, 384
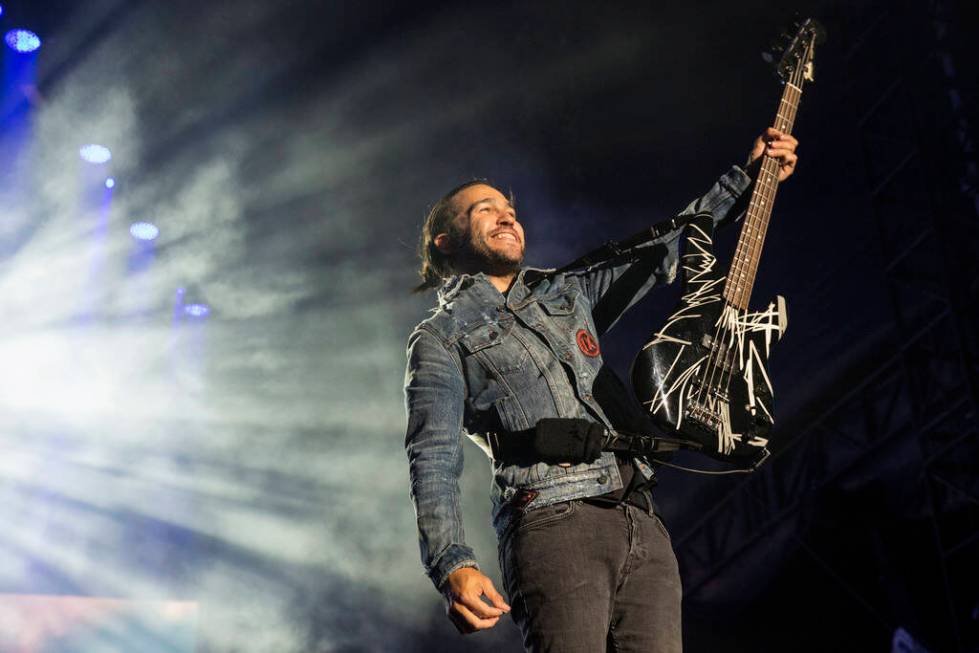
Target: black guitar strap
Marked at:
614, 249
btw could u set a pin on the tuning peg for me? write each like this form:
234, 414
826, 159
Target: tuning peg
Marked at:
819, 32
778, 44
809, 72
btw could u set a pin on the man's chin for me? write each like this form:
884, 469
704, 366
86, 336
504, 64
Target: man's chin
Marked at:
497, 263
502, 267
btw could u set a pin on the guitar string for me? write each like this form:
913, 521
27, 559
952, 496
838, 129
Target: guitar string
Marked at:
786, 112
755, 246
742, 261
711, 363
788, 105
740, 310
791, 99
719, 349
791, 102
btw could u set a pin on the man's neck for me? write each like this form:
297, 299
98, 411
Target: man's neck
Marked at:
502, 283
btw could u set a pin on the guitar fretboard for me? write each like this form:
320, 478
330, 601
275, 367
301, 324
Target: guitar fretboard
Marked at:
744, 267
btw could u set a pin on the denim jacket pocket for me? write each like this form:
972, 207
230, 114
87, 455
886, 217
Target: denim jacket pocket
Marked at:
495, 347
562, 305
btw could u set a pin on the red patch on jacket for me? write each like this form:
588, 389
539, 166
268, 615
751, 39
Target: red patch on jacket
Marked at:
587, 343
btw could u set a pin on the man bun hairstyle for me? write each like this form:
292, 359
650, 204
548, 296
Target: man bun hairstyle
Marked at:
436, 266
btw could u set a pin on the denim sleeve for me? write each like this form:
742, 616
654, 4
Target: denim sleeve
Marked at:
435, 396
614, 286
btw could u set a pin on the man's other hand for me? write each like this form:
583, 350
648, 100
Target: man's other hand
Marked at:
463, 592
777, 145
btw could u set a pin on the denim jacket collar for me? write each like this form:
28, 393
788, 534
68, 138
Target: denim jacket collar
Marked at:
480, 284
452, 286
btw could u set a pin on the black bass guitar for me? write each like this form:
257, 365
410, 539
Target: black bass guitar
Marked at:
703, 375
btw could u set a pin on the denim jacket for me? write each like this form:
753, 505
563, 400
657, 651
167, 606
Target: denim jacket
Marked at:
485, 362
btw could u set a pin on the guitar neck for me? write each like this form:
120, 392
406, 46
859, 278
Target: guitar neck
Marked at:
741, 277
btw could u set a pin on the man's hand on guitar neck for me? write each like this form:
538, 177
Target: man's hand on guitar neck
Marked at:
777, 145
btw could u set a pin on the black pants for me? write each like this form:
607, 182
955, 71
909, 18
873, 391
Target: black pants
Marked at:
586, 578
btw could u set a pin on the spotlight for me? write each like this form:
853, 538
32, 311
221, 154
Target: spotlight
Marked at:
110, 182
144, 231
196, 310
95, 153
22, 40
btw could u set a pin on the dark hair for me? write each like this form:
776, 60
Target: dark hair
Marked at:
435, 265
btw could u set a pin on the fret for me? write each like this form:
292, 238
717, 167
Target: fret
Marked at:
744, 267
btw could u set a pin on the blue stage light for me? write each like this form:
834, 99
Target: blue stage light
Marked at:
95, 153
22, 40
1, 10
144, 231
197, 310
110, 182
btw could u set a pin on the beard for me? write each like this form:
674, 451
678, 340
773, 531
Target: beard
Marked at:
476, 255
495, 262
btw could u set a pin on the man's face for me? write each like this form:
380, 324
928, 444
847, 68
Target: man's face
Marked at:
486, 223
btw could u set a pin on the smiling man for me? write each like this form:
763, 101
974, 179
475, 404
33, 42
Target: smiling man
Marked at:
473, 229
586, 561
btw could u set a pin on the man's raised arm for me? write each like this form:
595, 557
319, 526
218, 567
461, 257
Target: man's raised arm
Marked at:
614, 286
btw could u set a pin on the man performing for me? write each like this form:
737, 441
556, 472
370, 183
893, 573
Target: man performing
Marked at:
587, 564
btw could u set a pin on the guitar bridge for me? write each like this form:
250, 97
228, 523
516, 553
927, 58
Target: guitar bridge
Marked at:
706, 418
708, 413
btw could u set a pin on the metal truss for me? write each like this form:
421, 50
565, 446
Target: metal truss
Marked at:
914, 410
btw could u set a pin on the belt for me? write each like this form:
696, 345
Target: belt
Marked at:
642, 499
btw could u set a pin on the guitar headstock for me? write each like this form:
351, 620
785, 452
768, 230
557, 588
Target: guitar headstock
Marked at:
793, 51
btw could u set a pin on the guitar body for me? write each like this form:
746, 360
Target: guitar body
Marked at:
703, 376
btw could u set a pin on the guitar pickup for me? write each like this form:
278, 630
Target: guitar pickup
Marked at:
720, 356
